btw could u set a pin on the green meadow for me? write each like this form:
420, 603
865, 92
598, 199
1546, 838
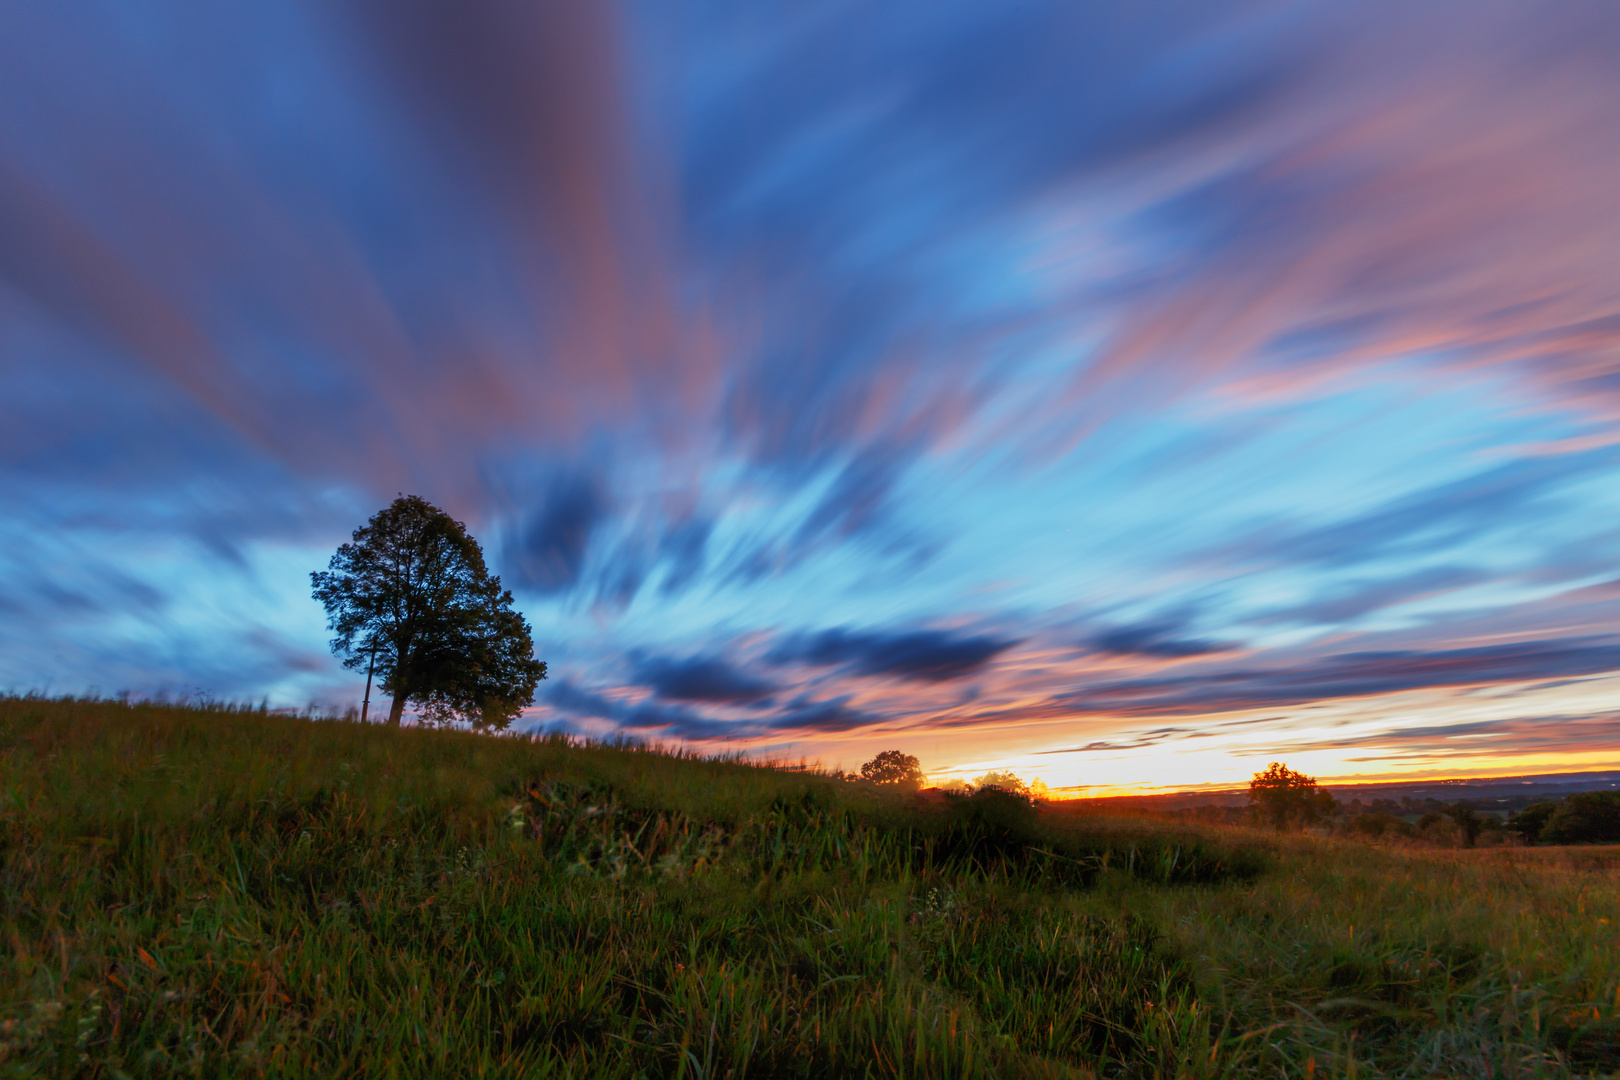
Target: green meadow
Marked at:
215, 892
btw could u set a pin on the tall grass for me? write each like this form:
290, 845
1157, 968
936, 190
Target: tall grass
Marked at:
218, 893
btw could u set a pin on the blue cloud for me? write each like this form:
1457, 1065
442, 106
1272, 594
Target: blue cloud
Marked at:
1349, 602
683, 548
833, 716
1160, 640
1344, 675
699, 678
1435, 518
569, 703
549, 554
573, 702
921, 655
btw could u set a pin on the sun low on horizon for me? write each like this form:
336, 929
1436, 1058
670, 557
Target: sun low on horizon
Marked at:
1125, 396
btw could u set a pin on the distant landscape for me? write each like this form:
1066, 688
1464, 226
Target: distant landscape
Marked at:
226, 892
1504, 793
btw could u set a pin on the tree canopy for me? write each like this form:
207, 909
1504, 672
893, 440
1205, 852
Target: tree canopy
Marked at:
1288, 797
893, 767
411, 595
1588, 817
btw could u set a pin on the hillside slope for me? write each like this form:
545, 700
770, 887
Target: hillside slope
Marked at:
219, 893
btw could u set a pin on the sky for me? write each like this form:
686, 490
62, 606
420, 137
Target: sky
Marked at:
1128, 395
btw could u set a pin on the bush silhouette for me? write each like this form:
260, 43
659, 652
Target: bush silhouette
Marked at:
990, 825
997, 811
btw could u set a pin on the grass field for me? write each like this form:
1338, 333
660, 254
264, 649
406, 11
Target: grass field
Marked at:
219, 893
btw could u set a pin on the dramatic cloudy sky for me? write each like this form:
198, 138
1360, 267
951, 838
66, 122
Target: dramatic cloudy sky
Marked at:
1130, 394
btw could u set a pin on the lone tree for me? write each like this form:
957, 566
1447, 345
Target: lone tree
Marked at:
893, 767
410, 598
1284, 796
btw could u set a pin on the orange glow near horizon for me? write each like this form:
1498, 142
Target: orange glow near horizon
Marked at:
1469, 732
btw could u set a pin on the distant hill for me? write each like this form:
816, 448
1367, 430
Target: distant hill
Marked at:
1509, 792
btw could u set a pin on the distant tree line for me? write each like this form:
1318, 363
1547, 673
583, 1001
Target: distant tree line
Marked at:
1590, 817
895, 768
1285, 799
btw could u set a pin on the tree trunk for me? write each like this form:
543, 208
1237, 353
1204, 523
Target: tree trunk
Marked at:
396, 710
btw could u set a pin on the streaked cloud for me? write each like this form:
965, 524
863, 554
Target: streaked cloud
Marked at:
1343, 675
1165, 640
922, 655
700, 678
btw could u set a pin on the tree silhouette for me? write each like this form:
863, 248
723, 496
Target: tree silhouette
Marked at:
893, 767
1285, 796
411, 594
1530, 821
1468, 821
1588, 817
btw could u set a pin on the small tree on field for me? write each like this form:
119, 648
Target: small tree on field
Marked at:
1468, 821
893, 767
1286, 797
411, 596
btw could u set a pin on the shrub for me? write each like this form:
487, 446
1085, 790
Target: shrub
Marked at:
998, 811
1442, 830
1469, 821
1529, 822
1002, 780
1379, 826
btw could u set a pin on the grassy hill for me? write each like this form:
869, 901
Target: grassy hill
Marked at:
220, 893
